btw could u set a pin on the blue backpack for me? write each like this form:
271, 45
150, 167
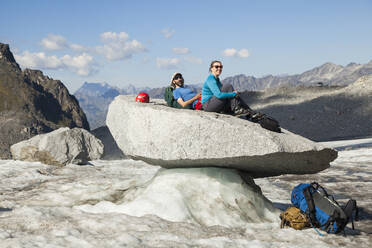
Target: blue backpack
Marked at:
322, 209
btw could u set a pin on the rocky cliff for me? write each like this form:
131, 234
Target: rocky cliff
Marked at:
32, 103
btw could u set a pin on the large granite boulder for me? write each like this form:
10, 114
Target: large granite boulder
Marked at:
59, 147
173, 138
32, 103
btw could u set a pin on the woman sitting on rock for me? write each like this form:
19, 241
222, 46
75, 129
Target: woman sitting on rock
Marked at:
184, 96
221, 98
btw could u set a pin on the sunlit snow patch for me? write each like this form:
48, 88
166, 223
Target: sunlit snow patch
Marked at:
208, 196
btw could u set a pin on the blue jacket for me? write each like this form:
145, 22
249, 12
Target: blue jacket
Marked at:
211, 87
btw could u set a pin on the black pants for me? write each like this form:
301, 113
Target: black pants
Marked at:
225, 105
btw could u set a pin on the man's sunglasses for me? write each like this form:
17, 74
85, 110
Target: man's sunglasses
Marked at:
177, 77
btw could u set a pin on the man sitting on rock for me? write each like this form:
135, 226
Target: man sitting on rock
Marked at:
184, 96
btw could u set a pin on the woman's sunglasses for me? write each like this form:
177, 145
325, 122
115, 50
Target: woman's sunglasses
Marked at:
218, 66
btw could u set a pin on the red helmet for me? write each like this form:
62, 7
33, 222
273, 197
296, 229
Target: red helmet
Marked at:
143, 97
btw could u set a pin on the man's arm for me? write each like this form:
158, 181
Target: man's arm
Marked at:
185, 103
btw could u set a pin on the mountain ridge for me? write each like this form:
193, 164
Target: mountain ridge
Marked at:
326, 74
95, 97
32, 103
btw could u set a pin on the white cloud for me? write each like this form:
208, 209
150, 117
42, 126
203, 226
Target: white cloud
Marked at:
77, 47
243, 53
229, 52
117, 46
54, 42
82, 64
167, 63
181, 50
38, 61
112, 36
232, 52
146, 60
168, 32
194, 60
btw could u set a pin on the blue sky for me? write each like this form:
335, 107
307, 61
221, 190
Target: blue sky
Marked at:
144, 42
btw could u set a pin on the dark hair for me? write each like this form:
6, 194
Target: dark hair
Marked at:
173, 85
211, 65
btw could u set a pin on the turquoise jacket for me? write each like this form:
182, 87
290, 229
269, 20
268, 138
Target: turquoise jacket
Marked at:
211, 87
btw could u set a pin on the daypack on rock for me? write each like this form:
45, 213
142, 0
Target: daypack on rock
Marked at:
270, 123
171, 102
265, 121
322, 209
294, 218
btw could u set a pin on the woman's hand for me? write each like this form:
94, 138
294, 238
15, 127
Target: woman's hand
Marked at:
196, 97
237, 94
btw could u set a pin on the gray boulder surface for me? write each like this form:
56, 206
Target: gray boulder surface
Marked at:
31, 104
60, 147
171, 138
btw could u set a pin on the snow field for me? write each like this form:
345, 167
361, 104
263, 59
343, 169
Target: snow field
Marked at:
42, 206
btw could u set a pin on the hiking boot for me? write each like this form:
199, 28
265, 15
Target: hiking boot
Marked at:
240, 111
256, 117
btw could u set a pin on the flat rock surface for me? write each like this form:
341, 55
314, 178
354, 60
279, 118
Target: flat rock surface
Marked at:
174, 138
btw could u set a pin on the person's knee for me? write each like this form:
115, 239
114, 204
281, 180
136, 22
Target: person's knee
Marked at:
214, 104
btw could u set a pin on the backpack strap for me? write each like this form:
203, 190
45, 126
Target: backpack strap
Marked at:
317, 186
332, 219
349, 209
310, 206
